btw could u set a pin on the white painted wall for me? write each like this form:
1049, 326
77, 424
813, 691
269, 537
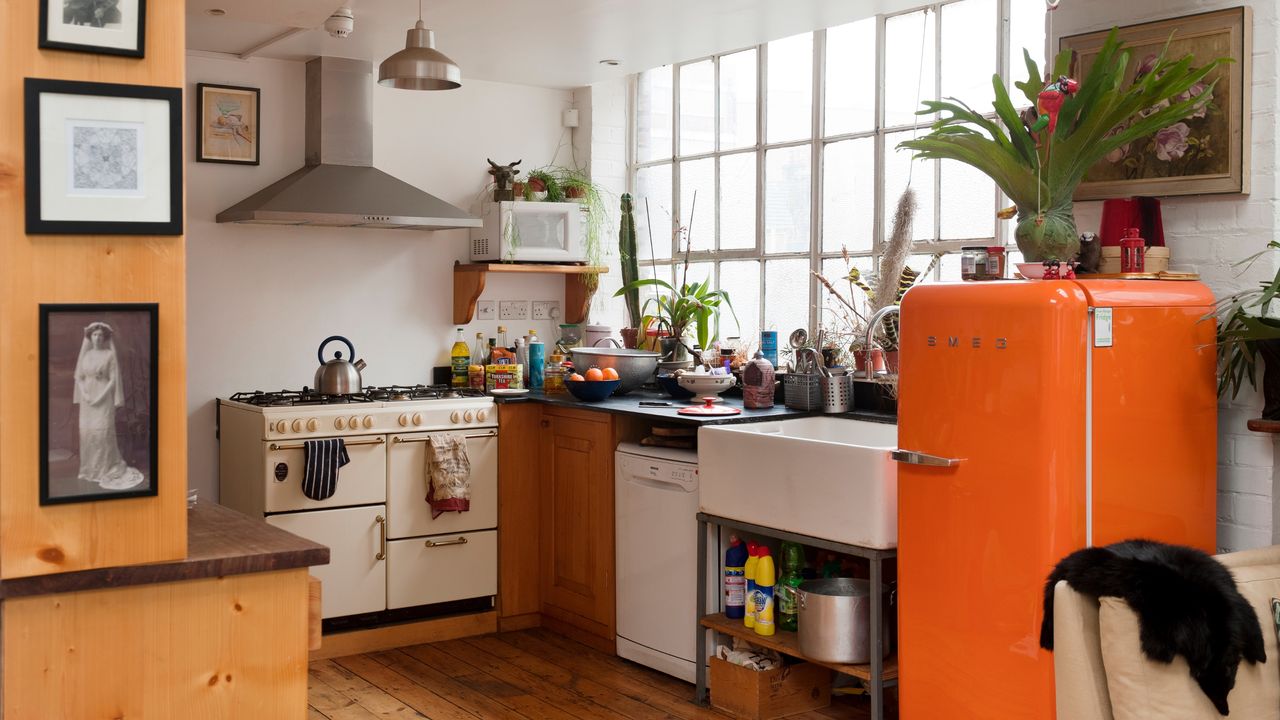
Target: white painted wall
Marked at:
1209, 235
261, 298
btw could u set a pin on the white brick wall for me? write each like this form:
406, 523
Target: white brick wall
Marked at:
1209, 235
605, 134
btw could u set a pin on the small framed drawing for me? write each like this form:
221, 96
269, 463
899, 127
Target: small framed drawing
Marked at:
98, 418
1207, 151
227, 124
106, 27
103, 158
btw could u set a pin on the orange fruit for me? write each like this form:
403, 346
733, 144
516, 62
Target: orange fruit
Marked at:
610, 374
595, 374
575, 377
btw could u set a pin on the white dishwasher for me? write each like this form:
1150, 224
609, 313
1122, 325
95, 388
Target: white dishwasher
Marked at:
656, 504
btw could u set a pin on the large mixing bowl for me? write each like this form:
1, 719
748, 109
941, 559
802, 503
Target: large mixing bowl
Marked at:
634, 367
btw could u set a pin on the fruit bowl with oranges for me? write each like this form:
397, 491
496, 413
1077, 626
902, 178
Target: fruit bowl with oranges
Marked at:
594, 385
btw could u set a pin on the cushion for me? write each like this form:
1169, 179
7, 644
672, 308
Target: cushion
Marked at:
1079, 678
1144, 690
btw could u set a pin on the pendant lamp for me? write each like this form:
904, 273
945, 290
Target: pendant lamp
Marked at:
419, 66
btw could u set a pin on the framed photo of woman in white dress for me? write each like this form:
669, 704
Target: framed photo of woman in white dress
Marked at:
98, 379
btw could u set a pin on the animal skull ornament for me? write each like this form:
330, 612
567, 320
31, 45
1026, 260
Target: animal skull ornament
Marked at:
503, 175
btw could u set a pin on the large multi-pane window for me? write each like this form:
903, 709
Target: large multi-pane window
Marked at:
766, 163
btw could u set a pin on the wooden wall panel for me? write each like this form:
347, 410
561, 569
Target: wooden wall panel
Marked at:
39, 540
233, 647
519, 551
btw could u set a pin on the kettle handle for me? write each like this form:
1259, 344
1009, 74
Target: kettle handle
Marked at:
331, 338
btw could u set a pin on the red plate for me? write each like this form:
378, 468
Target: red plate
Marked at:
709, 408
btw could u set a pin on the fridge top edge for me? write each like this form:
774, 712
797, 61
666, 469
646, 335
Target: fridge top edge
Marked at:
1093, 293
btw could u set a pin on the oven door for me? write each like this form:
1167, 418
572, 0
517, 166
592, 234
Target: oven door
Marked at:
363, 481
355, 580
543, 232
407, 485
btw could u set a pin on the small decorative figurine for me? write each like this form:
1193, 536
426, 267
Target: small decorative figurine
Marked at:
503, 176
1049, 103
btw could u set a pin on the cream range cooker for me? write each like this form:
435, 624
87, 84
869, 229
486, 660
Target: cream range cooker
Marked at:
386, 551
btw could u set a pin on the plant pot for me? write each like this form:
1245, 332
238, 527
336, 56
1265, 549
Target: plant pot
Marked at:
1048, 236
518, 190
877, 361
891, 361
1270, 352
672, 349
574, 192
629, 336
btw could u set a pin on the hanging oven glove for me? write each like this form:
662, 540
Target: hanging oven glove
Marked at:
448, 475
321, 461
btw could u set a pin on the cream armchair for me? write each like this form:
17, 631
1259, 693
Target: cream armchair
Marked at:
1101, 673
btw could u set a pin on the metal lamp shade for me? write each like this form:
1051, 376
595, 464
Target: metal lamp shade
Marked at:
419, 66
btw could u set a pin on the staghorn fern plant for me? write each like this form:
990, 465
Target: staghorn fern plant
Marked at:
1041, 177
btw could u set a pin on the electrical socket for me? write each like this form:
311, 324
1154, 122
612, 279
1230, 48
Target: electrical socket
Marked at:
546, 309
486, 310
513, 309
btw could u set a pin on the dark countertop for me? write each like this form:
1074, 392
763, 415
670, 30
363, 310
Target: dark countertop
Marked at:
629, 404
220, 541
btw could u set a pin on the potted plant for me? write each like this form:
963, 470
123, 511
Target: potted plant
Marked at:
1246, 330
1039, 168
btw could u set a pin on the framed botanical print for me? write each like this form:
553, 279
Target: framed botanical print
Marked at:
103, 158
106, 27
98, 410
227, 124
1206, 152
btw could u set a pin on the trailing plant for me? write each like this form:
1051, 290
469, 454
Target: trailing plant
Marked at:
1244, 321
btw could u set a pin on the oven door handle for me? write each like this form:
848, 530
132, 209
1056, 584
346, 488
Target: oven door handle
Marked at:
382, 538
348, 443
396, 439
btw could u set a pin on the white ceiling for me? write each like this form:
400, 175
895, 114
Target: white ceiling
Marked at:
551, 43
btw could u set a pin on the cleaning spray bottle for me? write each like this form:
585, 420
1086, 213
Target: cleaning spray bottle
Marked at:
749, 616
766, 578
735, 579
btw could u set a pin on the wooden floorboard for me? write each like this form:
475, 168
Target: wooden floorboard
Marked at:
530, 674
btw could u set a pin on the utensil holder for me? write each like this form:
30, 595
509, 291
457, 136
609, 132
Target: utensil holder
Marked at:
837, 393
803, 391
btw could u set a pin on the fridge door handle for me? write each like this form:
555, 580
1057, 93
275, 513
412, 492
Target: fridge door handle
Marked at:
911, 457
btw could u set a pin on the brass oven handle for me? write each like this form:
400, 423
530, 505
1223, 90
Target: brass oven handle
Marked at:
911, 457
396, 439
462, 540
348, 443
382, 539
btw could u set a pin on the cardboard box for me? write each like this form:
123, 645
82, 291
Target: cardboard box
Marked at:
765, 695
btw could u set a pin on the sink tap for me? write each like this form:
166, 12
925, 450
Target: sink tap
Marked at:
872, 324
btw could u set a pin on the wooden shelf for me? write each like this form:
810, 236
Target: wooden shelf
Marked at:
1265, 426
469, 279
788, 643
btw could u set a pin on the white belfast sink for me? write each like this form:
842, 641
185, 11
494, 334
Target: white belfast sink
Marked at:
825, 477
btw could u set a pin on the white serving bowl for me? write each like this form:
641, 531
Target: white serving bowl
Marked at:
703, 385
1035, 271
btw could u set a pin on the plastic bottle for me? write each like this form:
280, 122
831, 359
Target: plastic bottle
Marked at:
766, 578
788, 582
459, 360
735, 579
537, 355
749, 614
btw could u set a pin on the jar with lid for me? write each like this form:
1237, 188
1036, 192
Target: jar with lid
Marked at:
973, 263
553, 375
995, 263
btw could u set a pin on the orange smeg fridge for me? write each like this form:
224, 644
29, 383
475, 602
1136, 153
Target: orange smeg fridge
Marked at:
1036, 418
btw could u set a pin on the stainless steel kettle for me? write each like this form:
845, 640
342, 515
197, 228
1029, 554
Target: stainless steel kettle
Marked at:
338, 376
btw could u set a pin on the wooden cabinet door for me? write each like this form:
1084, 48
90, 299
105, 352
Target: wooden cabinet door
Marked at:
577, 519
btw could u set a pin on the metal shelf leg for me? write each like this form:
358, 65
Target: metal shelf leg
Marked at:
877, 640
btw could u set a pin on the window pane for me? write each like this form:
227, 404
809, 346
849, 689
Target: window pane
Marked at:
837, 318
653, 186
699, 176
653, 114
790, 92
969, 52
738, 100
902, 71
950, 267
968, 202
786, 199
848, 195
741, 279
897, 168
1026, 30
851, 77
738, 201
786, 293
697, 108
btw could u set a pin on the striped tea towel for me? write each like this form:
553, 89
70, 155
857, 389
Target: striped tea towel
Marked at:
321, 460
448, 475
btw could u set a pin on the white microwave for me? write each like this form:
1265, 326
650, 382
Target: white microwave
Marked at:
531, 232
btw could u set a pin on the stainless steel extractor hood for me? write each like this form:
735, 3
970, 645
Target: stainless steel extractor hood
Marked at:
338, 186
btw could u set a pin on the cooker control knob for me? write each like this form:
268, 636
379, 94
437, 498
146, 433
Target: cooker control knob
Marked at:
353, 422
469, 416
455, 417
340, 422
312, 424
403, 419
282, 427
482, 415
368, 421
297, 426
417, 418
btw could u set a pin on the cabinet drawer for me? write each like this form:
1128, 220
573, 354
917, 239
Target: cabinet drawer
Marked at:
419, 573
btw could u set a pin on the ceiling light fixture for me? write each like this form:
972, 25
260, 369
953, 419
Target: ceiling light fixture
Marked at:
419, 66
609, 61
215, 12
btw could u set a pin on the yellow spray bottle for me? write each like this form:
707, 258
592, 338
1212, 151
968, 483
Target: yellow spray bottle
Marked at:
766, 578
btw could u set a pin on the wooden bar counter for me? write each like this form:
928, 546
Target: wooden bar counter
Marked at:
220, 634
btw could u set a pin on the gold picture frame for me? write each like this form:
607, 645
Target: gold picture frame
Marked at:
1207, 152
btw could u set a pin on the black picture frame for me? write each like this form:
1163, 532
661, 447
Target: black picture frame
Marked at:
137, 51
202, 154
113, 438
33, 91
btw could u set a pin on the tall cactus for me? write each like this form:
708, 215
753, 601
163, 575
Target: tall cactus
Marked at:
630, 260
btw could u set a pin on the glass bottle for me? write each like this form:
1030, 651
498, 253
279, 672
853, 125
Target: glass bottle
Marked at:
480, 356
459, 360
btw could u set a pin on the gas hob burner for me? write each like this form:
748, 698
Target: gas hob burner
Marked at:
400, 393
291, 398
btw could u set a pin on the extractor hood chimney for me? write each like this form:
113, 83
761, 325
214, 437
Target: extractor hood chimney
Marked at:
338, 186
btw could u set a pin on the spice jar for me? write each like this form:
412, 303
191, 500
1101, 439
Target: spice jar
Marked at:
1132, 251
973, 263
995, 263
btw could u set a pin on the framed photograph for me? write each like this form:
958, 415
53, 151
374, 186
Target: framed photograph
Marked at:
98, 416
1205, 153
103, 158
227, 124
106, 27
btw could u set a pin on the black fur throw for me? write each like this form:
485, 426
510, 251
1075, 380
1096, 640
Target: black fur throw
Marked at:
1187, 604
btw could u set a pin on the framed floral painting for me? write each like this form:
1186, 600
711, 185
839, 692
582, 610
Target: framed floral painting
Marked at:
1206, 152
